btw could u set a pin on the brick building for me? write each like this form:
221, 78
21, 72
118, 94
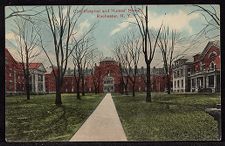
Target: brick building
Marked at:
14, 76
202, 72
108, 76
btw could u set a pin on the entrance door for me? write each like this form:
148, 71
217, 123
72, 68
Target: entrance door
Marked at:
108, 83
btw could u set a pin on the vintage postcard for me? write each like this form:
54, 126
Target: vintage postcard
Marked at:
112, 73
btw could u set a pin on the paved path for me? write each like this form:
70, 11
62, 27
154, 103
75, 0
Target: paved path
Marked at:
102, 125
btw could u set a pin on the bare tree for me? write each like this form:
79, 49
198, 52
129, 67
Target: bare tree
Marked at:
61, 21
149, 42
128, 53
80, 59
132, 58
24, 13
85, 62
27, 41
167, 41
211, 16
95, 57
119, 52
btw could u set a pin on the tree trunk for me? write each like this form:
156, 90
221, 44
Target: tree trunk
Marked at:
27, 87
82, 79
96, 91
168, 84
122, 87
126, 91
58, 100
133, 89
27, 74
148, 95
78, 89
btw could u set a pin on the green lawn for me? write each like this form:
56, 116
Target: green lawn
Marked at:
167, 117
40, 120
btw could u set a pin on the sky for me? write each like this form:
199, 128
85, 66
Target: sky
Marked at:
107, 30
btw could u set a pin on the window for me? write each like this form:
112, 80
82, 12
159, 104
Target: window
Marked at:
40, 78
178, 84
174, 74
174, 84
193, 82
212, 56
30, 78
178, 73
181, 72
182, 83
203, 67
211, 81
212, 65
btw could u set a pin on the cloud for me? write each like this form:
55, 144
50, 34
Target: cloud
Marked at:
83, 28
122, 26
84, 25
10, 36
179, 20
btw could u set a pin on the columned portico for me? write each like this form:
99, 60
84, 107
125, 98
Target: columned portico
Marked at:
37, 80
44, 90
204, 80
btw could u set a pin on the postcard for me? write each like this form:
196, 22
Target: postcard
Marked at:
112, 73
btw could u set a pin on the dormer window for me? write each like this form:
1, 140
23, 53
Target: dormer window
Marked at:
212, 55
212, 65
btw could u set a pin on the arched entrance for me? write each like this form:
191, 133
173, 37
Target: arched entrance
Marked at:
108, 83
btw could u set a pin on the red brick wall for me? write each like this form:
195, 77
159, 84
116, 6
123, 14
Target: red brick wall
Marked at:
50, 82
207, 60
69, 83
10, 67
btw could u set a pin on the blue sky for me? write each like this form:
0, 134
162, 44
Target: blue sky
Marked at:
108, 29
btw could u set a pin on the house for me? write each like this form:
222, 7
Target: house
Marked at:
205, 73
199, 73
14, 76
181, 72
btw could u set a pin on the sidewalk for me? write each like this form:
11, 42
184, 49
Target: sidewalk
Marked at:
102, 125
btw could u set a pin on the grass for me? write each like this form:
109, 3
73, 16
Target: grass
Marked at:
39, 119
167, 117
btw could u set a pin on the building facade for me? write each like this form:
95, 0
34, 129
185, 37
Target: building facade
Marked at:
107, 77
14, 76
181, 72
104, 77
205, 72
201, 73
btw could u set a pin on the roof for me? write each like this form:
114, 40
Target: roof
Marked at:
34, 65
187, 58
107, 59
208, 46
31, 66
143, 71
7, 52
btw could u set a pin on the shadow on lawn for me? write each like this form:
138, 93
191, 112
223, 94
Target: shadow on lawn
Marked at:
182, 106
58, 123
